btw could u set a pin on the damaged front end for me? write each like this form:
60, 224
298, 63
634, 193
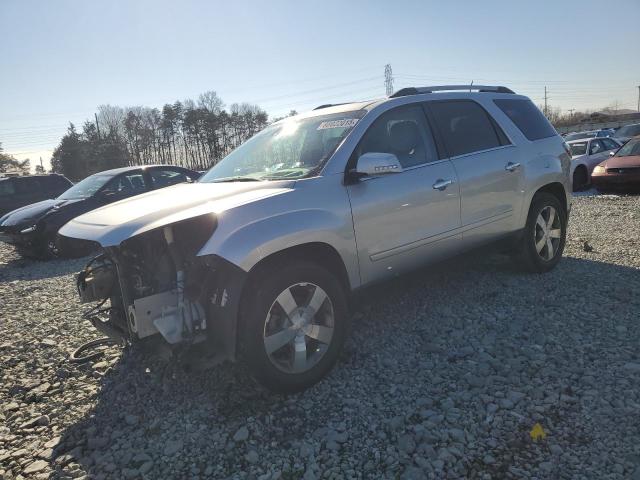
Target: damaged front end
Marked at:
158, 288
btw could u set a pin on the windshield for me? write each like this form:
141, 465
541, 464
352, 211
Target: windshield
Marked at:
632, 147
290, 149
86, 188
578, 136
629, 131
579, 148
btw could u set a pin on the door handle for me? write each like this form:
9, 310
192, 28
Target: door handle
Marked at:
441, 184
510, 167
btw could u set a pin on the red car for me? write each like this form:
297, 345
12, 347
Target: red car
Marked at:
621, 170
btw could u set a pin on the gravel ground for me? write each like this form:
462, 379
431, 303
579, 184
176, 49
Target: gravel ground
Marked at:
445, 374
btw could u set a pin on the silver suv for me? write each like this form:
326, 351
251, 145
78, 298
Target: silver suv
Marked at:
257, 260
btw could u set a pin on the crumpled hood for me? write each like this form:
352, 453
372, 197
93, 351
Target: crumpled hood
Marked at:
30, 214
114, 223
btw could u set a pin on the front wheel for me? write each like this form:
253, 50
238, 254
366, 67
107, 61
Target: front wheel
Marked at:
544, 235
293, 326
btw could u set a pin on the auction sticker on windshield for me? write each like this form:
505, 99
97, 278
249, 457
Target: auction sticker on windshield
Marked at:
344, 123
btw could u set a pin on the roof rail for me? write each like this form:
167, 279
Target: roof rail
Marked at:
327, 105
443, 88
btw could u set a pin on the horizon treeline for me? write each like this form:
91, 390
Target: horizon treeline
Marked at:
193, 134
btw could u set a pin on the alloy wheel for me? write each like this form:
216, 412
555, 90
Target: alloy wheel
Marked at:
547, 233
299, 328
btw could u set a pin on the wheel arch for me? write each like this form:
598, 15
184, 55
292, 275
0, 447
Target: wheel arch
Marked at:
557, 190
320, 253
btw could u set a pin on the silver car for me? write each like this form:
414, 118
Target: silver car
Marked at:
257, 259
585, 155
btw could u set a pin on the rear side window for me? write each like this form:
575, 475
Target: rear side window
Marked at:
609, 144
165, 177
55, 182
28, 185
6, 188
466, 127
527, 117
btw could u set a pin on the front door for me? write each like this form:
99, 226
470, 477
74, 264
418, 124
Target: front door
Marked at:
404, 219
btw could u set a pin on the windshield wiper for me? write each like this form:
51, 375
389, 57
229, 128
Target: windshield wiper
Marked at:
237, 179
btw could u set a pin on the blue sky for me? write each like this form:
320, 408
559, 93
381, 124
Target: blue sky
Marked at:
61, 59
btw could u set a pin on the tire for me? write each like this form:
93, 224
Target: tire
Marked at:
48, 250
303, 360
580, 179
530, 255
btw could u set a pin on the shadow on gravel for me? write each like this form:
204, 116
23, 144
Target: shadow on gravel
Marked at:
32, 269
151, 417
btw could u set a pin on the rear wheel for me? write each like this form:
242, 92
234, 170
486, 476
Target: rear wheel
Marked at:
580, 179
544, 235
293, 326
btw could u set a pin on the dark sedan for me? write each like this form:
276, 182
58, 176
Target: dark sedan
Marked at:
621, 170
32, 229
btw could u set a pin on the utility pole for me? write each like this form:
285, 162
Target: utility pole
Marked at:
388, 79
571, 110
97, 125
546, 109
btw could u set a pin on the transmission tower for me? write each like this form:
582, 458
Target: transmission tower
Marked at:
388, 79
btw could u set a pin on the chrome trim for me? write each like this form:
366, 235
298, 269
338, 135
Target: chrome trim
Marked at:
413, 245
482, 151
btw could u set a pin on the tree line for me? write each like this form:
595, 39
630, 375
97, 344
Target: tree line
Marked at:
10, 164
193, 134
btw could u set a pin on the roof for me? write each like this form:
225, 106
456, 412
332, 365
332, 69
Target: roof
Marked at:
117, 171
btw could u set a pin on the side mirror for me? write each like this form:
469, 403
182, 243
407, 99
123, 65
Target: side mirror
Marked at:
374, 163
612, 153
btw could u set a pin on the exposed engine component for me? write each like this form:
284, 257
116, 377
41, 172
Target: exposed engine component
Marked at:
155, 284
97, 280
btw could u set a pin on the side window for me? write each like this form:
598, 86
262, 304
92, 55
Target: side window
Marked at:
58, 183
27, 185
404, 132
161, 178
465, 126
126, 185
596, 147
7, 188
610, 144
527, 117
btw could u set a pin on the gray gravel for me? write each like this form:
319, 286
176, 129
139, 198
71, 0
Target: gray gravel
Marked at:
444, 376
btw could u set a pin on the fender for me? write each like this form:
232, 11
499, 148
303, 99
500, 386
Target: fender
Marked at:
245, 244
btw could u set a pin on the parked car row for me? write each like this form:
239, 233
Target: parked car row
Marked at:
32, 228
605, 163
620, 134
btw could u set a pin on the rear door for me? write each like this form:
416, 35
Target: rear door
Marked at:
404, 219
488, 167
